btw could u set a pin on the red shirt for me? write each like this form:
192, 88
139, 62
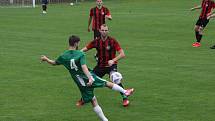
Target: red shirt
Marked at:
106, 50
207, 6
98, 16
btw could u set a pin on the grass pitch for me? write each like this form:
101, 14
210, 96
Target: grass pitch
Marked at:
173, 80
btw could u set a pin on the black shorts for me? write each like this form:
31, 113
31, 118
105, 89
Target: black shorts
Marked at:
96, 34
101, 71
202, 22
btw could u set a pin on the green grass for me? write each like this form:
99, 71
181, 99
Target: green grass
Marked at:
173, 80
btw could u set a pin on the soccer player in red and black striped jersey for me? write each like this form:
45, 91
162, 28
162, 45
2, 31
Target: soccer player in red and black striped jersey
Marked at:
98, 16
44, 6
107, 47
209, 17
206, 6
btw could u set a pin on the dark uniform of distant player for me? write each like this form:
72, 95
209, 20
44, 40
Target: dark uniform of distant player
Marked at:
98, 14
209, 17
206, 6
44, 6
75, 62
107, 47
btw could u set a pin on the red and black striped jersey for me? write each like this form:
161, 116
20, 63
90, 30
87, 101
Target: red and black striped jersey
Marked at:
207, 6
98, 16
106, 50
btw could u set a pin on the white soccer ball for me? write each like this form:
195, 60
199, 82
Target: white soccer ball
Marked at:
116, 77
71, 4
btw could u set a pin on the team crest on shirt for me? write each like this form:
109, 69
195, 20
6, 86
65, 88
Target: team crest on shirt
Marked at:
102, 12
108, 47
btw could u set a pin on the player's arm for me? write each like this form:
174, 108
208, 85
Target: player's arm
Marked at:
49, 61
89, 22
84, 49
118, 57
87, 73
88, 46
196, 7
211, 16
85, 70
109, 17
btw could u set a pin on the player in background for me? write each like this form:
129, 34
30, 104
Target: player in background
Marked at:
44, 6
75, 62
98, 16
206, 6
107, 47
209, 17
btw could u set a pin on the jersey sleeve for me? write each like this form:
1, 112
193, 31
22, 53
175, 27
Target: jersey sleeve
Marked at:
107, 12
213, 5
59, 60
91, 12
91, 45
117, 46
83, 59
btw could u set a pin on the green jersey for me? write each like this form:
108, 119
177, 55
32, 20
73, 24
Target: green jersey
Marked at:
73, 61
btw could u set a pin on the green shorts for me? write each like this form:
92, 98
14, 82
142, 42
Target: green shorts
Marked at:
87, 92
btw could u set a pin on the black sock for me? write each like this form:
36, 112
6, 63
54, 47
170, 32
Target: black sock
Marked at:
44, 7
123, 96
198, 37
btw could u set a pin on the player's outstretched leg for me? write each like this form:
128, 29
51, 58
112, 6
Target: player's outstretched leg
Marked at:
97, 109
125, 102
116, 78
116, 87
112, 86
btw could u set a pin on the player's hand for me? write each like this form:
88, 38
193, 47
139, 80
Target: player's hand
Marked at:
192, 9
108, 17
90, 82
110, 62
208, 17
43, 58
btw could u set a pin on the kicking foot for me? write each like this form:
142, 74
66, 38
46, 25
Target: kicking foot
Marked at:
129, 92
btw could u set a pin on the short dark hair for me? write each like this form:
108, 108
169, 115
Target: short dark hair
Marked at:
104, 25
73, 39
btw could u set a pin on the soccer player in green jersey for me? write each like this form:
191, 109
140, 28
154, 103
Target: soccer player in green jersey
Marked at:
74, 60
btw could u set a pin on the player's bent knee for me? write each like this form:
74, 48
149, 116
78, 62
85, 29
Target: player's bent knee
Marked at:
196, 28
116, 77
201, 30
